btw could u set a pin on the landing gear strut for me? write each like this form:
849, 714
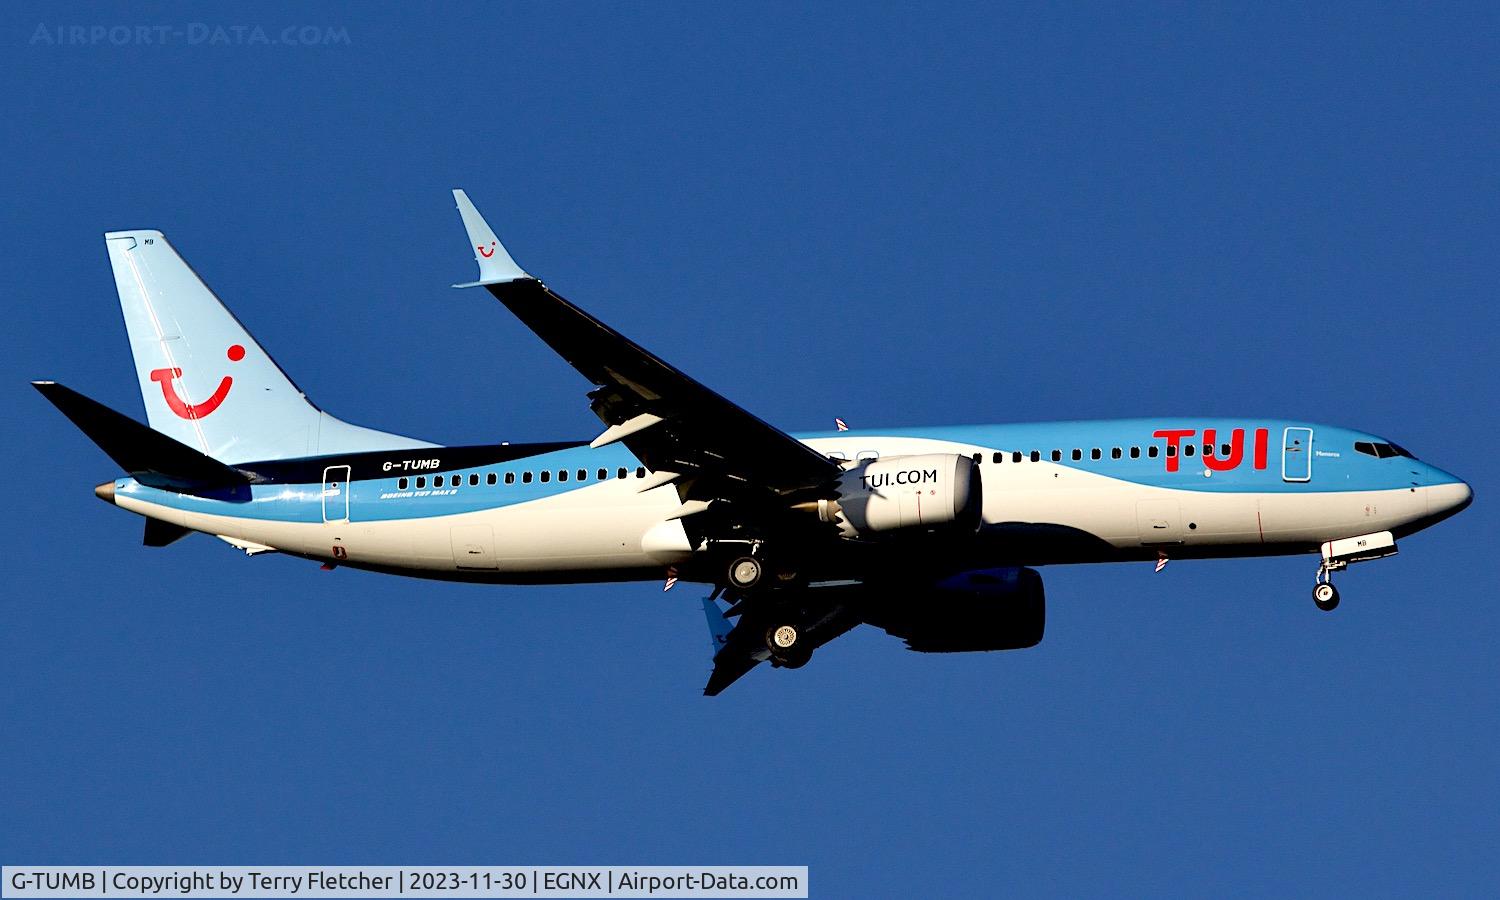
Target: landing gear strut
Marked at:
1325, 595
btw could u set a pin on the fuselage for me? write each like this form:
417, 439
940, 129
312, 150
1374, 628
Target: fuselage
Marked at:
1052, 493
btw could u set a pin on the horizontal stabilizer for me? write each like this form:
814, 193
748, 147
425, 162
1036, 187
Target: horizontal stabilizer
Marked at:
149, 456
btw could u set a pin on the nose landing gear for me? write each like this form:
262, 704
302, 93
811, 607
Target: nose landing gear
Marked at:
1338, 554
1325, 595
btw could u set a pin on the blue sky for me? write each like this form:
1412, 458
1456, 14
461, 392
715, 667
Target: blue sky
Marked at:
898, 215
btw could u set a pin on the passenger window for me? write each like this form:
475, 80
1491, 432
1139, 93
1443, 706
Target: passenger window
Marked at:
621, 473
421, 482
562, 474
401, 484
1077, 454
437, 482
583, 474
1171, 451
1135, 452
474, 480
999, 457
490, 479
978, 458
1057, 456
603, 474
1115, 453
526, 478
1096, 453
640, 472
1208, 450
1152, 451
1016, 456
1188, 450
1036, 456
510, 477
545, 476
1225, 450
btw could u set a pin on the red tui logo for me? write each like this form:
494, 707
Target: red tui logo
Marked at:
185, 410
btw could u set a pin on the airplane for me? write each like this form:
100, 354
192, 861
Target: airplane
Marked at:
930, 534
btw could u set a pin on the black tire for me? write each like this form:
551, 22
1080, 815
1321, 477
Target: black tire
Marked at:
1326, 596
744, 573
797, 661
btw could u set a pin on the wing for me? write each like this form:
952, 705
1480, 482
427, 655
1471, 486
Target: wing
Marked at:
684, 432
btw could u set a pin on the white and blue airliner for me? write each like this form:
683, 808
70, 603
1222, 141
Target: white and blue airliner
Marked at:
927, 533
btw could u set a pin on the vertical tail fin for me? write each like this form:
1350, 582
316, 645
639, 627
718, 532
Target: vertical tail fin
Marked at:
205, 380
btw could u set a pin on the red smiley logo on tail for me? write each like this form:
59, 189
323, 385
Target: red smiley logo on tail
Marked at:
182, 408
486, 253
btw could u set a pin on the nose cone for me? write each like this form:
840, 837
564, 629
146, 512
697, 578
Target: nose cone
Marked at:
105, 492
1448, 499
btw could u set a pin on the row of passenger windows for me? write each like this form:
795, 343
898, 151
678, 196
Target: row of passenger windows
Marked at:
582, 475
545, 476
1381, 450
1151, 452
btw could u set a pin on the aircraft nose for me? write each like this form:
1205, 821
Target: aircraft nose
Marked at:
1447, 499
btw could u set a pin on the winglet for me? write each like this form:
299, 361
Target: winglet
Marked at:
495, 264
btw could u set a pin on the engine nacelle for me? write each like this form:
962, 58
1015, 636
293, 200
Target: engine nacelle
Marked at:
928, 492
991, 609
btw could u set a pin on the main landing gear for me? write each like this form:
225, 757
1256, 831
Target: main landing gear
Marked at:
789, 647
744, 573
757, 587
752, 574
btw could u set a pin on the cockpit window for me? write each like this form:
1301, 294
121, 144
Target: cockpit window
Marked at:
1381, 450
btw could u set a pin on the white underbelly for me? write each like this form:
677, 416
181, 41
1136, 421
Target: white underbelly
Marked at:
602, 527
